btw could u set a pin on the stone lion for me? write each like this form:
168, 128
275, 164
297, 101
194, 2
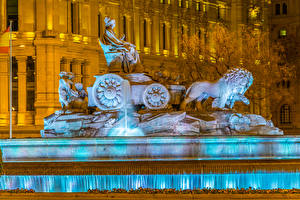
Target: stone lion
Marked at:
226, 91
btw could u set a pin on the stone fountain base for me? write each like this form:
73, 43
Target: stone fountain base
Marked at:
99, 124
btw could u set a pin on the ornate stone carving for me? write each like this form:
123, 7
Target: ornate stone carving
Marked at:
116, 50
230, 88
156, 96
71, 99
107, 92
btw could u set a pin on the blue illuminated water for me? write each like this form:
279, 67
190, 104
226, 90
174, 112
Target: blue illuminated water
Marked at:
81, 183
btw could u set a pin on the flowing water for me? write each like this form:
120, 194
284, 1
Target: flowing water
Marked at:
81, 183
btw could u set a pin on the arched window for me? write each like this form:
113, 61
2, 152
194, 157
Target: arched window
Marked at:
285, 114
284, 9
277, 9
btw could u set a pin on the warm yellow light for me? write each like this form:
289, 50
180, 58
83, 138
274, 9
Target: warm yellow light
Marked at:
187, 4
85, 40
13, 36
146, 50
77, 38
29, 35
166, 52
283, 33
253, 12
62, 37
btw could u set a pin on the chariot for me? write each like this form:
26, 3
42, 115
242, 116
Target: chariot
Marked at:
108, 92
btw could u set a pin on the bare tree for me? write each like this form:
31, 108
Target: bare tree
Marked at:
210, 58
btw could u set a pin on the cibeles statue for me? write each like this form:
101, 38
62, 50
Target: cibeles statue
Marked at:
226, 91
116, 50
71, 100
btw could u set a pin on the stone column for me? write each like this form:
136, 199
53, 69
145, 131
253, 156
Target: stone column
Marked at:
4, 91
174, 39
141, 33
22, 90
129, 29
136, 29
47, 79
3, 16
65, 64
155, 34
149, 25
168, 36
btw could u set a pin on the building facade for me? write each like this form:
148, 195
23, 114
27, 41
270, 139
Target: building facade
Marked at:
62, 35
284, 24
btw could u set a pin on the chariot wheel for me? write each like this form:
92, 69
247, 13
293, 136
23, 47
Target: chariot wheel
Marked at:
156, 96
107, 92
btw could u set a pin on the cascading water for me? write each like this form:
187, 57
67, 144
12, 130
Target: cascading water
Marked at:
82, 183
127, 126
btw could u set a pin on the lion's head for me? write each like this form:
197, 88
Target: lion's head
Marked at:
239, 79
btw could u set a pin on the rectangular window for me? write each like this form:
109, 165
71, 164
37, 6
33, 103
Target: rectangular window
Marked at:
75, 22
82, 72
145, 32
14, 70
125, 27
99, 25
15, 104
72, 18
30, 69
30, 86
12, 13
30, 100
164, 36
71, 67
277, 9
14, 83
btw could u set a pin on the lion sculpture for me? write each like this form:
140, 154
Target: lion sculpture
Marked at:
226, 91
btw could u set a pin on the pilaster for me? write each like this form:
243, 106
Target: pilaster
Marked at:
4, 92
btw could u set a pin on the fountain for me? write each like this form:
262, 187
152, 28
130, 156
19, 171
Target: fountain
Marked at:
131, 118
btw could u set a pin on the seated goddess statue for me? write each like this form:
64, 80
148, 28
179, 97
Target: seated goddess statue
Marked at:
116, 48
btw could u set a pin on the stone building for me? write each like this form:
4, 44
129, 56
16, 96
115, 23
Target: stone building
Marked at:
284, 24
62, 35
